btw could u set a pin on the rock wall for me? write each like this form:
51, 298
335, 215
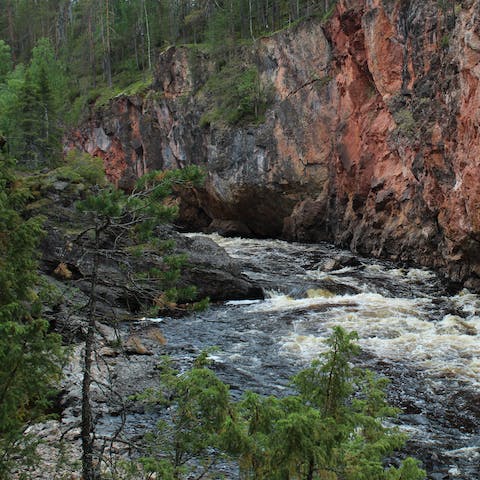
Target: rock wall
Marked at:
372, 141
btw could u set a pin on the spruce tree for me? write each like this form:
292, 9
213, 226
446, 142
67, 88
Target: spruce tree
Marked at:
331, 427
5, 60
30, 356
31, 148
34, 122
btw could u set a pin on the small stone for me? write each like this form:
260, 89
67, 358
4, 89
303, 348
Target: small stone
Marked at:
416, 419
108, 352
454, 471
157, 335
62, 271
108, 333
329, 265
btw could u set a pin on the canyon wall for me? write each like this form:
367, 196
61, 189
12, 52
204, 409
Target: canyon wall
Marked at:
371, 141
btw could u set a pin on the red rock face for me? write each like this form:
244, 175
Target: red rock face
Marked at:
372, 141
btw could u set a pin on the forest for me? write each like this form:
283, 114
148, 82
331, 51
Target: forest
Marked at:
69, 55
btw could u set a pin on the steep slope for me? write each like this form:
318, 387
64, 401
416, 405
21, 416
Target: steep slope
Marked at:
372, 140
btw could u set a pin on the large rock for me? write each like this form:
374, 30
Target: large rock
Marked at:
214, 272
372, 140
67, 260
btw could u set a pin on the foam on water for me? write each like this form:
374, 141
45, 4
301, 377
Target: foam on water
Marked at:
409, 329
241, 302
394, 314
397, 329
472, 453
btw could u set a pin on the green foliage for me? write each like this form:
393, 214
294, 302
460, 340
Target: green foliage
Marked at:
197, 405
445, 41
44, 63
32, 99
327, 13
201, 305
107, 45
126, 83
328, 383
81, 167
138, 87
10, 89
40, 101
405, 122
113, 213
5, 60
77, 173
30, 356
236, 95
330, 428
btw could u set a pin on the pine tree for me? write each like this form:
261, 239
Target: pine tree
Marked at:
30, 356
114, 214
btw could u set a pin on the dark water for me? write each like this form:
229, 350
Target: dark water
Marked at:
410, 329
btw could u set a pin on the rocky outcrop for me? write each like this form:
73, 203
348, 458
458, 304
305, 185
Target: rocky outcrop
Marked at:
372, 141
121, 290
125, 286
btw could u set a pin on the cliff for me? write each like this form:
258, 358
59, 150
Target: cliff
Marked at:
371, 141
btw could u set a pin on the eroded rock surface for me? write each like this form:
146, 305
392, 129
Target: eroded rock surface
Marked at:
372, 141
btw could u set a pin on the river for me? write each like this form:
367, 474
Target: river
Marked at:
411, 329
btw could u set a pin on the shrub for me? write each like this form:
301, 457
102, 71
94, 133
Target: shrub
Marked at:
81, 167
237, 95
405, 122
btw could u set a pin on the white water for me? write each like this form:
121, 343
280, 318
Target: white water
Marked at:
410, 329
425, 340
396, 328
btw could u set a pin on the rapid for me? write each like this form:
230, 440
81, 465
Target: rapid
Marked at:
411, 328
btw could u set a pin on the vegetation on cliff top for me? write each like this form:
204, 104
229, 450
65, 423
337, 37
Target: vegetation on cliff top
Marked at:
59, 57
100, 39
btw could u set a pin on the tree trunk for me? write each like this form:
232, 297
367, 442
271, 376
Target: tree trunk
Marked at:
87, 433
149, 41
107, 62
250, 14
11, 30
311, 470
91, 40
